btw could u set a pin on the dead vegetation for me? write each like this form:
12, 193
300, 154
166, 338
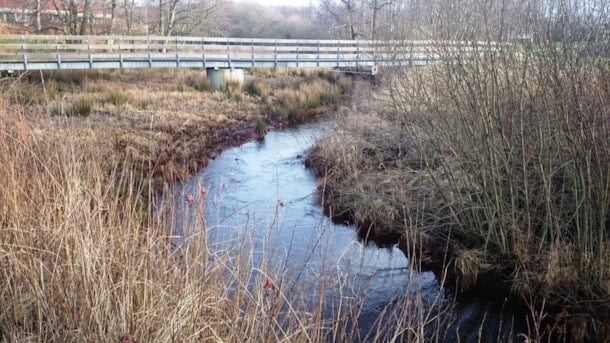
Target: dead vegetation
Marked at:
83, 257
494, 172
168, 123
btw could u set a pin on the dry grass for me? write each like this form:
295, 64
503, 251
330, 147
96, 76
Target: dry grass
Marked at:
85, 259
259, 87
502, 164
301, 101
166, 122
79, 262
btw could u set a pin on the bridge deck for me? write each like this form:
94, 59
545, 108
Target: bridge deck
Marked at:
39, 52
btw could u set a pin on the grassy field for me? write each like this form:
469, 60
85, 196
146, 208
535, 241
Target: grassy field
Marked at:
494, 172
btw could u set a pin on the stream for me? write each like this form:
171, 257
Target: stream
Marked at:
261, 196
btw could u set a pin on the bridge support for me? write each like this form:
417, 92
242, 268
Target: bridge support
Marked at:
220, 77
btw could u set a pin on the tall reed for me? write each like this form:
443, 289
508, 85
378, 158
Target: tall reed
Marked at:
84, 258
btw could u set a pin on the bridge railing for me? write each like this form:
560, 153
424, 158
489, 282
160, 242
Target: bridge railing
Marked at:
35, 52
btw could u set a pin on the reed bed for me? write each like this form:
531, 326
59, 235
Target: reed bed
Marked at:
82, 258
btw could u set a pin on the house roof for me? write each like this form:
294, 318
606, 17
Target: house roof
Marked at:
46, 5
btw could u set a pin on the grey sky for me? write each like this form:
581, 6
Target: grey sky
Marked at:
282, 2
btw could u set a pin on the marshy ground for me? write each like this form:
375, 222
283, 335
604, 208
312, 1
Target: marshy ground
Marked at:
81, 256
494, 173
168, 123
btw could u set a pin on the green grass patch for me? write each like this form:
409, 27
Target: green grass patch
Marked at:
200, 83
79, 107
118, 98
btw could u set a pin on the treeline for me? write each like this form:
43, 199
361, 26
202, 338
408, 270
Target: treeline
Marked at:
160, 17
501, 20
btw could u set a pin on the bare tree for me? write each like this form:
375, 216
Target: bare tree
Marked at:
37, 14
185, 16
112, 16
74, 17
344, 16
357, 18
258, 21
86, 19
376, 7
161, 27
129, 7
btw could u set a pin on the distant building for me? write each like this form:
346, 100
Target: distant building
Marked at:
23, 13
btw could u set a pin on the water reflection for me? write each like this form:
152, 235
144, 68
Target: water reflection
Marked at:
259, 196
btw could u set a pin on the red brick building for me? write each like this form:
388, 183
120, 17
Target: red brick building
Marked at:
52, 16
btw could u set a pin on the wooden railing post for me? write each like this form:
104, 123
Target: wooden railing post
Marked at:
120, 57
149, 52
58, 56
25, 56
318, 61
177, 54
338, 50
229, 53
375, 52
89, 55
357, 54
203, 53
252, 51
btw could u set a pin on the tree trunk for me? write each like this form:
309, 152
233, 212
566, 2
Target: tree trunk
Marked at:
352, 32
73, 17
112, 17
161, 19
38, 20
128, 6
86, 17
374, 21
68, 15
171, 21
377, 7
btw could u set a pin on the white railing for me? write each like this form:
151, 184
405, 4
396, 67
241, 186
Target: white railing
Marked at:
39, 52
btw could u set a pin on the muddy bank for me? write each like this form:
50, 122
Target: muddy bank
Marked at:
382, 224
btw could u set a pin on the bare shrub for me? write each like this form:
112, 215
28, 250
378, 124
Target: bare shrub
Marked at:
508, 137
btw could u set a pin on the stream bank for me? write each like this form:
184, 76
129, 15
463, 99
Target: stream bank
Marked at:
459, 187
167, 124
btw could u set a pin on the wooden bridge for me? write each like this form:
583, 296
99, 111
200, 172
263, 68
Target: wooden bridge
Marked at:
41, 52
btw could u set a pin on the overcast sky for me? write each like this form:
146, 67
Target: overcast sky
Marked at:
282, 2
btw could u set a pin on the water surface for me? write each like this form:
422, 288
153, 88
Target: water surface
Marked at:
260, 193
